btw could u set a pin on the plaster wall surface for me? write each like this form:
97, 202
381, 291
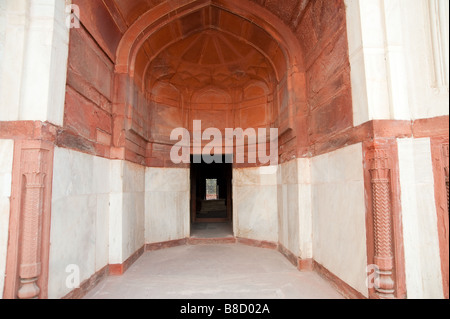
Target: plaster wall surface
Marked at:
6, 160
338, 215
425, 26
255, 210
167, 204
422, 259
399, 59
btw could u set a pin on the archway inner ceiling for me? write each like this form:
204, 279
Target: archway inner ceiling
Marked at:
209, 65
210, 58
213, 43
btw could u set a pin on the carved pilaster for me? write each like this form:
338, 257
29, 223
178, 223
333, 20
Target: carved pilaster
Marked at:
382, 219
33, 168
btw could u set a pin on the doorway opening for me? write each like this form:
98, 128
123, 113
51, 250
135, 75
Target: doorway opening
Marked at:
211, 199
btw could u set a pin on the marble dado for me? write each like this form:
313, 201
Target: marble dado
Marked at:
126, 206
339, 224
419, 217
6, 160
98, 207
268, 203
167, 202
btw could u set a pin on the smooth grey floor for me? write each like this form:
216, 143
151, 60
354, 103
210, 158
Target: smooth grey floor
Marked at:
214, 272
212, 230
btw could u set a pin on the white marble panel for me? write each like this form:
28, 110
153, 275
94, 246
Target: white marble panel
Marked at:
289, 172
133, 178
6, 159
102, 232
167, 204
115, 228
304, 170
127, 210
167, 180
293, 218
72, 242
339, 231
305, 221
80, 217
420, 234
256, 212
345, 164
338, 206
73, 172
167, 216
133, 223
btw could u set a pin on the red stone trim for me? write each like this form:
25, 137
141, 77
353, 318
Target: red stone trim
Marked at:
433, 127
211, 241
305, 264
120, 269
379, 129
346, 290
165, 245
300, 264
440, 160
294, 260
257, 243
28, 130
89, 284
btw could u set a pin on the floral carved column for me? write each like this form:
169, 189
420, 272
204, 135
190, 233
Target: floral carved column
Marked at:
33, 176
29, 238
380, 174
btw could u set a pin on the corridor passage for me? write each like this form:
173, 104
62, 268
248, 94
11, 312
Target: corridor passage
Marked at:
235, 271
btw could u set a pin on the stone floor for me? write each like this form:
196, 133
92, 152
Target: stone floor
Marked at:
232, 271
212, 230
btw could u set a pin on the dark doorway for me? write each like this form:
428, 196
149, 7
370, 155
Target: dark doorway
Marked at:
211, 192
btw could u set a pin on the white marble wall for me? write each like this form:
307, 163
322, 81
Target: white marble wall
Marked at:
167, 204
255, 211
80, 213
398, 52
97, 215
294, 207
33, 64
338, 215
420, 234
127, 210
6, 159
425, 26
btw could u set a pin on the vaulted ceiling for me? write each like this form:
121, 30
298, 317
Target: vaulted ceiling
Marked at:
200, 42
126, 12
109, 20
210, 58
